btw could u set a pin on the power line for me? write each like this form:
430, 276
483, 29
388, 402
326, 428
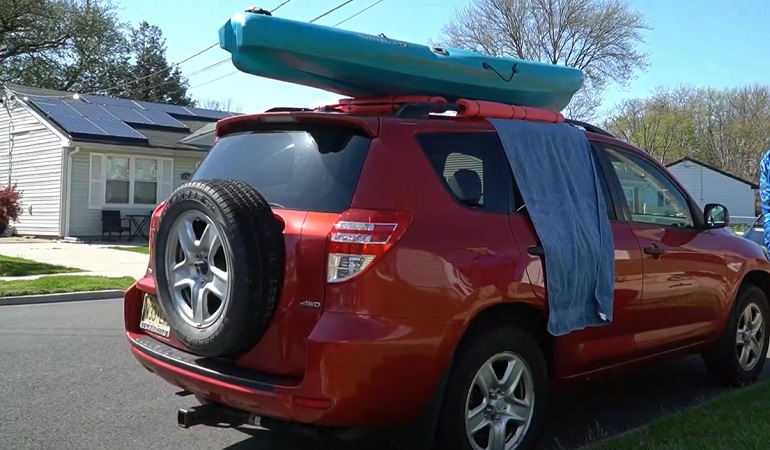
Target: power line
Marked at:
359, 12
160, 71
215, 79
331, 10
207, 68
279, 6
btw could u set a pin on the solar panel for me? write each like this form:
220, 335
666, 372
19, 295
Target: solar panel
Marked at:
70, 120
129, 115
89, 110
166, 108
116, 128
208, 113
162, 119
36, 99
105, 100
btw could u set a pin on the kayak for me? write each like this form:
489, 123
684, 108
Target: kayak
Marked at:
361, 65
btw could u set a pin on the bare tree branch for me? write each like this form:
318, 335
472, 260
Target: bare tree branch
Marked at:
599, 37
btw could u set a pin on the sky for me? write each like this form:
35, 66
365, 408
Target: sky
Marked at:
692, 42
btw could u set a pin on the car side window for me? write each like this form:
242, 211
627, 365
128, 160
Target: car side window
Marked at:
472, 167
651, 196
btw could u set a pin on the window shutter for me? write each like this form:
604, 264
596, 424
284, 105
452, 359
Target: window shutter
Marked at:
96, 182
165, 179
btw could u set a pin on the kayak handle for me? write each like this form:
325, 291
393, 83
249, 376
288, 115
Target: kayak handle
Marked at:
514, 71
439, 50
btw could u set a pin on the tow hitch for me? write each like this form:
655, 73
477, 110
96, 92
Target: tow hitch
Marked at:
211, 414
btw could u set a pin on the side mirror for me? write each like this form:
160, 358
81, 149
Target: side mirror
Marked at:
716, 216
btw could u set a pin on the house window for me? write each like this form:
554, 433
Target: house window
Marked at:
123, 180
131, 180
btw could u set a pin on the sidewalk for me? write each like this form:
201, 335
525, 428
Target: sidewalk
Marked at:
93, 259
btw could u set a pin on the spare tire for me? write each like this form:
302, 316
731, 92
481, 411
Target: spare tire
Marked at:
219, 266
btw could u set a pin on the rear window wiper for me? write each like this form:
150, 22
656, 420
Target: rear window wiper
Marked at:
276, 205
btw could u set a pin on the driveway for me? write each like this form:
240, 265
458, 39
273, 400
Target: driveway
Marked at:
70, 382
92, 258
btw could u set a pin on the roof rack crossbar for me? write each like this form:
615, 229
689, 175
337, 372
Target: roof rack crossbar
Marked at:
588, 127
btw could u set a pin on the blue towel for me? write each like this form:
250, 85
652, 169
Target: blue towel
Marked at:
560, 183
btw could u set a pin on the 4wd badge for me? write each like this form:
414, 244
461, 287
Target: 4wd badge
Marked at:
310, 304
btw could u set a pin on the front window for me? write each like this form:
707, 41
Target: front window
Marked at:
651, 197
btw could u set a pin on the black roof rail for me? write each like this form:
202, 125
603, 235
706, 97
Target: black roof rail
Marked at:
421, 110
287, 109
588, 127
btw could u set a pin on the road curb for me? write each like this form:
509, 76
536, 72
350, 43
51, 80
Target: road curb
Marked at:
59, 298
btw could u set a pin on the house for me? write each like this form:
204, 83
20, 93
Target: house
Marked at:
708, 184
73, 156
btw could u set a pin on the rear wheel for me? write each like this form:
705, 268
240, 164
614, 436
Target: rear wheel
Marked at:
497, 394
740, 354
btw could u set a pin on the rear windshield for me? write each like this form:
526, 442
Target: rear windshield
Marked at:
301, 170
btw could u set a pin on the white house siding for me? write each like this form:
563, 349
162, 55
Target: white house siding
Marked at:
87, 222
709, 186
35, 165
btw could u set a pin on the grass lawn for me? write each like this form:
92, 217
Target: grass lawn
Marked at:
735, 420
57, 284
19, 267
140, 249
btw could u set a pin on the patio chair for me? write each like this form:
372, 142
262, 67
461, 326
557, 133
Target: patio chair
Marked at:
113, 223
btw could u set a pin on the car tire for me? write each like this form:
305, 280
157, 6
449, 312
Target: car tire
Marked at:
724, 361
252, 248
501, 349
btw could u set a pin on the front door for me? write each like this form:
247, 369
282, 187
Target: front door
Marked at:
684, 270
597, 347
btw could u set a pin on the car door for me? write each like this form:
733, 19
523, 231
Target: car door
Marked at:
684, 270
597, 347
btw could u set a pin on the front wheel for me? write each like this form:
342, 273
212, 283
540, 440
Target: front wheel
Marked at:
740, 354
497, 393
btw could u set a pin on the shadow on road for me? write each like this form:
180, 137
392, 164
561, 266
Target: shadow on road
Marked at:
591, 412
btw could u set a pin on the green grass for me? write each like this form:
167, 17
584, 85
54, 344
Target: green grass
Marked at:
19, 267
58, 284
735, 420
138, 249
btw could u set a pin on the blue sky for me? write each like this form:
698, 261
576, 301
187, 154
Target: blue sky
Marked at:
695, 42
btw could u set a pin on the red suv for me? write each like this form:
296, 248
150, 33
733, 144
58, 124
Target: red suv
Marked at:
343, 271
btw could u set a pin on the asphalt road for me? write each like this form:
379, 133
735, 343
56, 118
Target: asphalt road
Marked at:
68, 381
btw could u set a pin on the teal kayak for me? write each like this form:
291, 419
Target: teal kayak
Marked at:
361, 65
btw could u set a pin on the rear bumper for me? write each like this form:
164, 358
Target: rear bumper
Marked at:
361, 372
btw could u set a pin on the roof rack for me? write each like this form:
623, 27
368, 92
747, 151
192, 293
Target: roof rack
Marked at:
421, 107
588, 127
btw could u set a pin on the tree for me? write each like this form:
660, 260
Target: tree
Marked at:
75, 45
82, 46
218, 105
728, 128
599, 37
662, 124
151, 76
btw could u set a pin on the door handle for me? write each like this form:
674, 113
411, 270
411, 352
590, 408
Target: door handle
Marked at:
536, 250
654, 250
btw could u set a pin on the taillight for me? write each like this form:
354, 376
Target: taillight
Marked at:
154, 219
359, 238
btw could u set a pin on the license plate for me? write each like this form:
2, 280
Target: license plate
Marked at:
152, 317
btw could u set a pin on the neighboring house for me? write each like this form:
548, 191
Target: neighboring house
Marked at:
73, 156
708, 184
